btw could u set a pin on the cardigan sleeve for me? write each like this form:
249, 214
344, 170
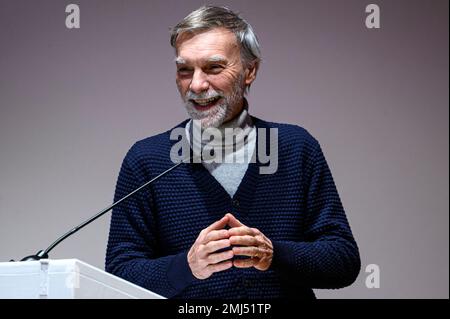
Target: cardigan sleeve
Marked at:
132, 252
328, 257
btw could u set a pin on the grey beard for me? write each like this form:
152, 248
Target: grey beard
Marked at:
215, 116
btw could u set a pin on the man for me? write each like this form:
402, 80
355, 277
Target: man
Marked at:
216, 229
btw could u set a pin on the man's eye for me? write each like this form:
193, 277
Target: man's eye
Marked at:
215, 68
184, 70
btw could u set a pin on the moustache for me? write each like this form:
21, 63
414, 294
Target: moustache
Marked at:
202, 96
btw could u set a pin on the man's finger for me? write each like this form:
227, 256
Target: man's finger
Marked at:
244, 263
212, 246
221, 223
245, 240
249, 251
240, 231
216, 235
220, 266
233, 221
219, 257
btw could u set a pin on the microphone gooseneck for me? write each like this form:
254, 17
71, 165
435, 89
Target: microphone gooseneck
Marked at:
43, 254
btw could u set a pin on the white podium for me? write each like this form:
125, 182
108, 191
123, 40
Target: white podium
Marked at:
64, 279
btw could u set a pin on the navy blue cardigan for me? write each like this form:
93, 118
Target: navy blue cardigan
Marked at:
298, 208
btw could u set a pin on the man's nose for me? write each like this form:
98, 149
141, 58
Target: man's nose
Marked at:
199, 82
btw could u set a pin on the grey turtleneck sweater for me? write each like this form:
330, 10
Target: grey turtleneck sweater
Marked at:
230, 170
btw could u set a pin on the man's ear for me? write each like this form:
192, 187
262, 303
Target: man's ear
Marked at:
250, 72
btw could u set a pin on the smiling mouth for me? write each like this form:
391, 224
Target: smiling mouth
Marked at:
205, 103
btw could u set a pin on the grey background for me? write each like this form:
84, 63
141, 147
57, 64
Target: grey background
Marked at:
72, 102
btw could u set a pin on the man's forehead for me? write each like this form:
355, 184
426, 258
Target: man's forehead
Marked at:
217, 43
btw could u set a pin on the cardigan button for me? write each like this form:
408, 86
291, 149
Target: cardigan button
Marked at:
235, 203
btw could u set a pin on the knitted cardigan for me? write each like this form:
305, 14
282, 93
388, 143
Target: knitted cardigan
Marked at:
298, 208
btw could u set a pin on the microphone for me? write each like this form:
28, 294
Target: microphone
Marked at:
43, 254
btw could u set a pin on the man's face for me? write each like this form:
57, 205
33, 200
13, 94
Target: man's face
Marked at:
210, 75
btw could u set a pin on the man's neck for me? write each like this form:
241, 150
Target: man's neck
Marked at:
240, 120
237, 110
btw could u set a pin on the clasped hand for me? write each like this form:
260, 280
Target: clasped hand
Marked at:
204, 257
